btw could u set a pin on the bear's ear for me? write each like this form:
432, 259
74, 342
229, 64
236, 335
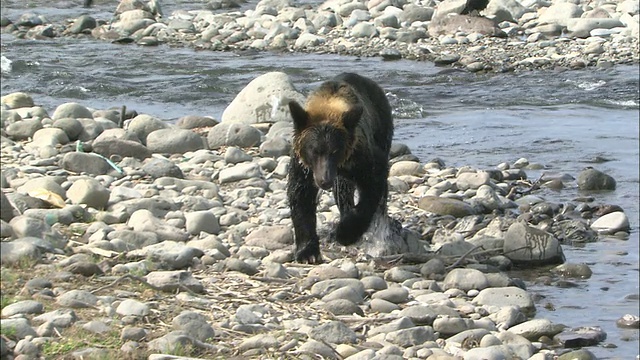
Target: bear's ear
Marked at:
299, 115
352, 116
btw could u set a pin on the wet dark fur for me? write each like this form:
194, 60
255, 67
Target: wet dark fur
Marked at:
341, 142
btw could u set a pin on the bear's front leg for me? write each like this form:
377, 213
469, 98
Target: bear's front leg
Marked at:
302, 194
353, 224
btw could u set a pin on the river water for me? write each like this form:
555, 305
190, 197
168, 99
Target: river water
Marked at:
562, 120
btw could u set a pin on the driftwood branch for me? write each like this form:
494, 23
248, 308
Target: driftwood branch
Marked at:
140, 280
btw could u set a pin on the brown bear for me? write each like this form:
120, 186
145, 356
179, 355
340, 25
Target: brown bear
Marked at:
341, 142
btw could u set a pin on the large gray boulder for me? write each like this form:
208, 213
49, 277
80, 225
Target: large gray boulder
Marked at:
592, 179
264, 99
527, 245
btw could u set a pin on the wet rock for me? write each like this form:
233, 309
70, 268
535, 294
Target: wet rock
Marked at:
582, 354
82, 23
611, 223
526, 245
580, 337
627, 321
592, 179
580, 271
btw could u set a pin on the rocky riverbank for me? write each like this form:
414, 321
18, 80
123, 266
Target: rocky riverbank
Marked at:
510, 35
124, 236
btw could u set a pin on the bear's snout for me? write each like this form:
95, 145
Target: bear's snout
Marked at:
324, 172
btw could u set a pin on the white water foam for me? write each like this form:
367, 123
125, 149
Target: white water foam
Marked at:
5, 65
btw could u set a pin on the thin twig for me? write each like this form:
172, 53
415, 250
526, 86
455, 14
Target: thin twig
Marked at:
457, 262
140, 280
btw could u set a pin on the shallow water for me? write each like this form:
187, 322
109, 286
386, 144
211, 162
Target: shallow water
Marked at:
562, 120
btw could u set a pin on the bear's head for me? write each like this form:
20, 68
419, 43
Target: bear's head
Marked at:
325, 130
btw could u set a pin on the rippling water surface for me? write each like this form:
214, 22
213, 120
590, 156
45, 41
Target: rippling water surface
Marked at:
563, 120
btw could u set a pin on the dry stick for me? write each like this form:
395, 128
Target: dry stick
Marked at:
457, 262
140, 280
123, 115
274, 280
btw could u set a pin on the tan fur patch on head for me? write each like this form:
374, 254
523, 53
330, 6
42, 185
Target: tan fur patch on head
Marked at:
327, 109
329, 103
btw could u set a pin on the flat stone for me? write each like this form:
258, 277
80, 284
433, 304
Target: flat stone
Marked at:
333, 332
411, 337
343, 307
535, 328
322, 288
445, 206
170, 281
23, 307
580, 337
506, 296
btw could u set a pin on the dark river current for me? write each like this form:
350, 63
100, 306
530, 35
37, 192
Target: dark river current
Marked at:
562, 120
